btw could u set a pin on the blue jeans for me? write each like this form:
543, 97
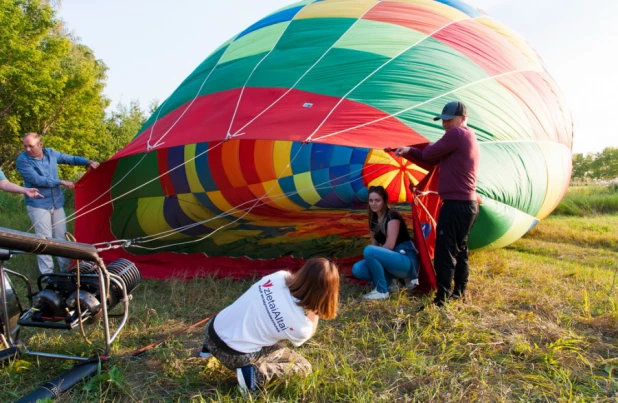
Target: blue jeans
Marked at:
381, 265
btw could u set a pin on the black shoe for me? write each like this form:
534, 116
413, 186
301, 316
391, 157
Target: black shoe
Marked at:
457, 297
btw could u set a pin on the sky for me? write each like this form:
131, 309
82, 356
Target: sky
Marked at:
151, 46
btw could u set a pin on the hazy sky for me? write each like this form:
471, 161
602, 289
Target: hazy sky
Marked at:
151, 46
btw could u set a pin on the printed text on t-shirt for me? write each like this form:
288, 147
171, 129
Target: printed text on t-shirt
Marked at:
268, 301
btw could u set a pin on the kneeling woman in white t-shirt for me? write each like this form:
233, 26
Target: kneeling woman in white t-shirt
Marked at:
281, 306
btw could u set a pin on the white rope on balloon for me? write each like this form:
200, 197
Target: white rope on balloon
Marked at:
302, 76
229, 135
287, 92
144, 184
163, 234
159, 141
382, 66
242, 91
425, 102
309, 138
237, 209
150, 147
282, 196
124, 243
239, 218
70, 218
237, 134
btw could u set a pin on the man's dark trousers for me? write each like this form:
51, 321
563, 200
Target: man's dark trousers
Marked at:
451, 254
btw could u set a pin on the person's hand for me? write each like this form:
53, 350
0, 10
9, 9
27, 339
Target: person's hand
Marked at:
67, 184
93, 164
402, 151
33, 193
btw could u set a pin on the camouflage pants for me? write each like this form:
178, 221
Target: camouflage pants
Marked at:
270, 362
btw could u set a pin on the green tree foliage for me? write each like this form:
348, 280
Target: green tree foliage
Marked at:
596, 166
49, 84
121, 126
605, 165
581, 166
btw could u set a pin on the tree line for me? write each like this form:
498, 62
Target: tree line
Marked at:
596, 166
53, 85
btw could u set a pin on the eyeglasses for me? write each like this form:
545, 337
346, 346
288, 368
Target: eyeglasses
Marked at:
375, 189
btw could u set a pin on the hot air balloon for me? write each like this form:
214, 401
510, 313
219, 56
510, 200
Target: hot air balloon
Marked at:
262, 156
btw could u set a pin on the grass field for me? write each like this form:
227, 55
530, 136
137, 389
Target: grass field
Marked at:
540, 325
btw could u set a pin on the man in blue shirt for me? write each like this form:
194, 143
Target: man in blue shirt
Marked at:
39, 167
9, 186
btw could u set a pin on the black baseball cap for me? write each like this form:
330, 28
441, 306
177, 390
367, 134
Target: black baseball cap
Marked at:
452, 109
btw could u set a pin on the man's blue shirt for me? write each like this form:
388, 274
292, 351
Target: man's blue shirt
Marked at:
2, 177
43, 175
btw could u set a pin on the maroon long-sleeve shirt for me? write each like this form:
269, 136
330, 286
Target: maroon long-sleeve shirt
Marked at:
459, 156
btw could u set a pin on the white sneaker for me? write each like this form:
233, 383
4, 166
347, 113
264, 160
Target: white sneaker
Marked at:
412, 284
375, 294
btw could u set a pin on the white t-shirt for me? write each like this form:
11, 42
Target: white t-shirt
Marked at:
265, 314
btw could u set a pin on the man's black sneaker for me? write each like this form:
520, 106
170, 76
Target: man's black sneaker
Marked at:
457, 297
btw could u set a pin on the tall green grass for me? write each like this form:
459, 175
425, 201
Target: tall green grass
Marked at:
13, 213
589, 199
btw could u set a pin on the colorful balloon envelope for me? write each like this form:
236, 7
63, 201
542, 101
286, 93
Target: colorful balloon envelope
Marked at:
268, 147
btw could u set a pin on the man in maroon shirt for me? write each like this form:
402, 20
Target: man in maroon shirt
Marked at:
457, 154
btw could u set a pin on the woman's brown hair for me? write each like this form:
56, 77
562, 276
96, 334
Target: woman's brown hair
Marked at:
381, 225
316, 285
